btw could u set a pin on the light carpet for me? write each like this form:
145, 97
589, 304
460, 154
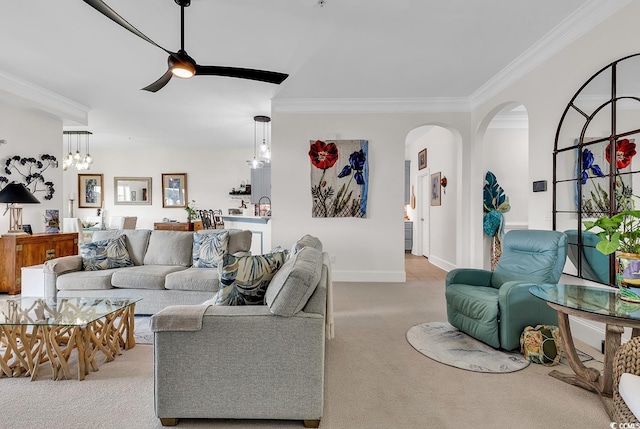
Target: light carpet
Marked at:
374, 379
142, 331
446, 344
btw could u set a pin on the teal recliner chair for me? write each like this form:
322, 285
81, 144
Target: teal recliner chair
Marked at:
595, 265
495, 306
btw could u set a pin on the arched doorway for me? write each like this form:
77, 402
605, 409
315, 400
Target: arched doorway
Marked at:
434, 223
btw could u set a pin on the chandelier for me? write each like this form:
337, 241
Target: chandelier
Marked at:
264, 155
76, 159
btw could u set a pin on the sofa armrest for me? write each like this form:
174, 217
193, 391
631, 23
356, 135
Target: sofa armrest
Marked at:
469, 276
242, 355
56, 267
519, 309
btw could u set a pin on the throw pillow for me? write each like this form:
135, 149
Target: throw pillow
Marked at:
105, 254
244, 280
209, 249
541, 344
293, 285
306, 241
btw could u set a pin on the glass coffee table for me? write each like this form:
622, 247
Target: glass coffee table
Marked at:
600, 304
34, 331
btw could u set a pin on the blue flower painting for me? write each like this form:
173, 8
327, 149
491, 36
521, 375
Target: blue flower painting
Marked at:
339, 178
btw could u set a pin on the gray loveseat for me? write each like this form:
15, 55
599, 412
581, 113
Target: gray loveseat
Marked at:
161, 275
250, 361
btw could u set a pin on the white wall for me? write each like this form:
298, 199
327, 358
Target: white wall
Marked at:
210, 176
506, 155
370, 249
31, 134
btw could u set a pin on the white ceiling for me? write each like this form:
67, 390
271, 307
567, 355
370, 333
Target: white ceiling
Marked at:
348, 49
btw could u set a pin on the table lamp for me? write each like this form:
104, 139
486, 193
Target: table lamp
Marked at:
14, 194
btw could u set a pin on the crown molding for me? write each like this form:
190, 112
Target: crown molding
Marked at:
572, 28
370, 105
510, 121
22, 93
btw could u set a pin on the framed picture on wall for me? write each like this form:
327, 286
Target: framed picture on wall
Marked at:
174, 190
435, 189
422, 159
90, 190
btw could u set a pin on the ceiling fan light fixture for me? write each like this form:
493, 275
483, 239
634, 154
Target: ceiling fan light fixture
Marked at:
183, 72
181, 65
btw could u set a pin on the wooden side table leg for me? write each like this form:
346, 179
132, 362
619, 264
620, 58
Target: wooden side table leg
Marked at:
584, 377
611, 344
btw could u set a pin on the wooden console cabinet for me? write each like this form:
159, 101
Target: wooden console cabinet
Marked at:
179, 226
17, 251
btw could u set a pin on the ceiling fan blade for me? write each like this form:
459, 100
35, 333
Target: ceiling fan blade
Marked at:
160, 83
260, 75
104, 9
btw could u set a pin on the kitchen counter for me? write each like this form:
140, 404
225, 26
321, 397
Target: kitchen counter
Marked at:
248, 219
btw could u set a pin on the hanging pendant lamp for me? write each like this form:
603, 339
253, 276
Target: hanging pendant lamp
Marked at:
77, 160
264, 155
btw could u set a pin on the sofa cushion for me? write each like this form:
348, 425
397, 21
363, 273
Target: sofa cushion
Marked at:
629, 389
244, 280
144, 276
239, 239
200, 279
86, 280
306, 241
137, 241
293, 284
105, 254
208, 249
169, 248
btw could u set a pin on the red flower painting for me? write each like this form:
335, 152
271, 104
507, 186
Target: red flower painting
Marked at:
323, 155
625, 150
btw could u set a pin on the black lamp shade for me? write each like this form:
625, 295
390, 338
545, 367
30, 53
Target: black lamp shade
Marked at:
17, 193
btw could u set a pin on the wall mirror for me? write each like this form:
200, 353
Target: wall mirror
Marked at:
596, 170
132, 190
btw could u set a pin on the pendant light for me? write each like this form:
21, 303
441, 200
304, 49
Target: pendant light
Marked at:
77, 160
264, 156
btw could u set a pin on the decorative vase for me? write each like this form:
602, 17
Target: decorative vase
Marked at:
628, 276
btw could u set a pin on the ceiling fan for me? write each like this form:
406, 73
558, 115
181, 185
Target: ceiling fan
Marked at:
180, 63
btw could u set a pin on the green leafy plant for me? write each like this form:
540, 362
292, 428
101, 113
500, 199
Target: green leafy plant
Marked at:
620, 231
191, 211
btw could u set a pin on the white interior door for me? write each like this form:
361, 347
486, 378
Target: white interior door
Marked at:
425, 205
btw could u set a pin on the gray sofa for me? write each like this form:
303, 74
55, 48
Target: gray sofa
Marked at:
250, 361
161, 275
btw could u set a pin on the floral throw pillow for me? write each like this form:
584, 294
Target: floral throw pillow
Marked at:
244, 280
105, 254
209, 249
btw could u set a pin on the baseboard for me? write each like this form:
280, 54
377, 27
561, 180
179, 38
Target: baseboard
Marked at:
441, 263
590, 333
368, 276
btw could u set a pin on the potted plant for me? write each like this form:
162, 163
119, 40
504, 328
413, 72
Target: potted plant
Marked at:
620, 233
191, 211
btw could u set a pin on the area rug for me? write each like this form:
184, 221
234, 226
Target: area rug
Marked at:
142, 333
445, 344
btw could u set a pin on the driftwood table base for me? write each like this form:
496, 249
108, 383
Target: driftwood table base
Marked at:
585, 377
27, 347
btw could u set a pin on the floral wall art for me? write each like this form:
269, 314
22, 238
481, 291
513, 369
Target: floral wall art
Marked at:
30, 171
594, 171
339, 178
